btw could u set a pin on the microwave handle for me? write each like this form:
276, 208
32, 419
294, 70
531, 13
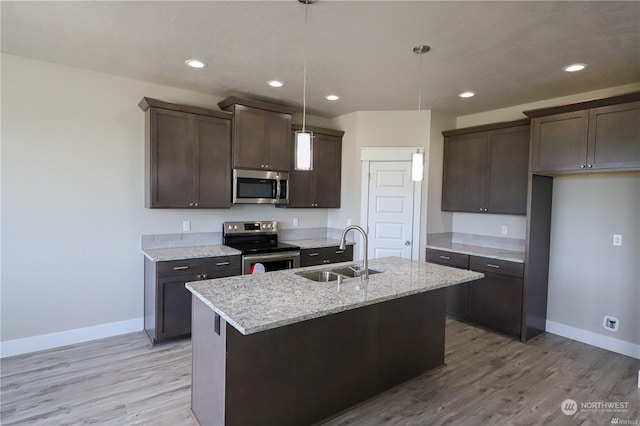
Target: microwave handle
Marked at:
278, 189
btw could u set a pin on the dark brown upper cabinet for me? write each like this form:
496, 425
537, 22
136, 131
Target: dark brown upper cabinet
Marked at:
600, 135
486, 168
261, 134
188, 156
320, 187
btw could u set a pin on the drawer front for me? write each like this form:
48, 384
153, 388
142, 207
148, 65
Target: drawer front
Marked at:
336, 255
448, 258
496, 266
179, 267
313, 257
212, 265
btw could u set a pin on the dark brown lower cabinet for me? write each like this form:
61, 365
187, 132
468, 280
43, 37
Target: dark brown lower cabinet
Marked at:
457, 295
167, 303
495, 301
325, 255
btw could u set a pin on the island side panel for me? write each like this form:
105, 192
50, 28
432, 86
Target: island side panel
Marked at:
411, 337
208, 364
304, 372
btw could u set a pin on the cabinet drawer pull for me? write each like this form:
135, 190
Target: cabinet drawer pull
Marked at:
339, 251
180, 268
222, 263
491, 265
445, 257
314, 254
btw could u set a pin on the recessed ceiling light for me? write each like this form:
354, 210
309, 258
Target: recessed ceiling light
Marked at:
275, 83
574, 67
194, 63
332, 97
466, 94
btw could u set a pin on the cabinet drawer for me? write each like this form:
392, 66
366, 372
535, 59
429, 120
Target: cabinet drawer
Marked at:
313, 257
496, 266
179, 267
222, 263
457, 260
337, 255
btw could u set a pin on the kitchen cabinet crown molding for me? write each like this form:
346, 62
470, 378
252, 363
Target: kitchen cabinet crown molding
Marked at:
147, 103
315, 129
487, 127
585, 105
268, 106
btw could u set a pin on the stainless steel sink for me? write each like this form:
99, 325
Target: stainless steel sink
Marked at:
327, 275
319, 276
354, 271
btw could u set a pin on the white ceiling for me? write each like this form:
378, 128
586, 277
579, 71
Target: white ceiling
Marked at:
509, 53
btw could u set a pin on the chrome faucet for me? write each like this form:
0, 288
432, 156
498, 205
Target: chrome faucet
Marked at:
343, 243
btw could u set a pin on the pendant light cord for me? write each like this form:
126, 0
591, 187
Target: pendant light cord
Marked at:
304, 83
420, 85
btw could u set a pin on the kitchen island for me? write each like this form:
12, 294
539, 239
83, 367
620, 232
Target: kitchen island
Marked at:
281, 349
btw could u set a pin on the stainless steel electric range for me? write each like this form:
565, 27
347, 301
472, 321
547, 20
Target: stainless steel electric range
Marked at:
261, 250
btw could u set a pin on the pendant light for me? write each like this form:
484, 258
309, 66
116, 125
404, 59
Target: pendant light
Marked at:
417, 158
304, 138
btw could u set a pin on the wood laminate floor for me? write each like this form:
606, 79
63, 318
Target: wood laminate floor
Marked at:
488, 379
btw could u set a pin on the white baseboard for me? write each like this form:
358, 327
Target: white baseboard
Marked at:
69, 337
594, 339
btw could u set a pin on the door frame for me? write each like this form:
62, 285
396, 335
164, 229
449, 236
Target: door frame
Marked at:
385, 154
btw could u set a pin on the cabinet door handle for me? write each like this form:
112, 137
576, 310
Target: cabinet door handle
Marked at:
326, 261
222, 263
180, 268
491, 265
198, 277
195, 204
190, 204
339, 251
445, 257
204, 276
582, 166
590, 166
314, 254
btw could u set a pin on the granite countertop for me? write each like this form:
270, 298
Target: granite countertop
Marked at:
492, 253
254, 303
194, 252
316, 243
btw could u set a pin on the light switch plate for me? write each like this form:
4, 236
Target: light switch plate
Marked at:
505, 229
186, 225
617, 239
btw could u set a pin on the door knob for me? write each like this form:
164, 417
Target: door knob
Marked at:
407, 243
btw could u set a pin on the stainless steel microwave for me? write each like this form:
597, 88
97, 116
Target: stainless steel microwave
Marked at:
260, 187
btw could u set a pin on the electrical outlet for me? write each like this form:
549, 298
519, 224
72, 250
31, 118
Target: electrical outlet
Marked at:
186, 225
505, 229
295, 221
610, 323
617, 239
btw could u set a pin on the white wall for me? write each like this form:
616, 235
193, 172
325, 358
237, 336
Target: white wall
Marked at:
378, 129
588, 276
73, 197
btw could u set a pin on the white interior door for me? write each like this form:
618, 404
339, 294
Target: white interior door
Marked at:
390, 209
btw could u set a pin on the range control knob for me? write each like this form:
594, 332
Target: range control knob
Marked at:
269, 226
235, 226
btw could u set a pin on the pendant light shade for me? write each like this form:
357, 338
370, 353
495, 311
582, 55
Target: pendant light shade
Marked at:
304, 150
417, 166
304, 138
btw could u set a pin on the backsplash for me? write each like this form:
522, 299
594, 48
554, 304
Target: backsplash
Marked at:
502, 243
192, 239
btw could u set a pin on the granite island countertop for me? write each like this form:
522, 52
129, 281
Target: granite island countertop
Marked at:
255, 303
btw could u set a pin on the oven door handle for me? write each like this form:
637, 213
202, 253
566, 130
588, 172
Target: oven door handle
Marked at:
271, 257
